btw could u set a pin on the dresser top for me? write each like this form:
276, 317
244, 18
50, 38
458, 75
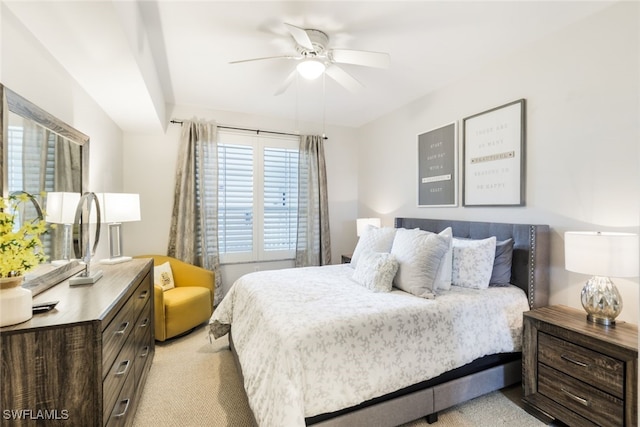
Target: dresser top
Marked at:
622, 334
87, 303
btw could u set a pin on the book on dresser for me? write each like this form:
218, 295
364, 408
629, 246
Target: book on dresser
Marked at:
579, 372
85, 361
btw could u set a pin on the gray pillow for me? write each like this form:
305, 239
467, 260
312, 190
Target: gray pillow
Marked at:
501, 274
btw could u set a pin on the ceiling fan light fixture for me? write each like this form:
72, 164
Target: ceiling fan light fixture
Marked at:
310, 69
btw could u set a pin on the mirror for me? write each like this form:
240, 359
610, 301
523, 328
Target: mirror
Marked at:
40, 154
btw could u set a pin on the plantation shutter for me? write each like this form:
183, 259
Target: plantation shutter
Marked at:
235, 198
280, 199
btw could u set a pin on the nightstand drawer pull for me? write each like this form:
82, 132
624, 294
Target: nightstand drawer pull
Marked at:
575, 362
578, 399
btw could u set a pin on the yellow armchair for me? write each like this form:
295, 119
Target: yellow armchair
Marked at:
186, 306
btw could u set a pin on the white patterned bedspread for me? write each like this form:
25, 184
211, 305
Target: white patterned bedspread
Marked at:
311, 340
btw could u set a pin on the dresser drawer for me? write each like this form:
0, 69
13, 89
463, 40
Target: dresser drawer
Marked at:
142, 294
116, 334
120, 371
143, 341
599, 370
122, 412
581, 398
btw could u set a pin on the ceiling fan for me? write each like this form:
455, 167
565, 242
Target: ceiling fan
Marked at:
315, 58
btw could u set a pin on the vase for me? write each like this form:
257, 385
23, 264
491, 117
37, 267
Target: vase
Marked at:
16, 302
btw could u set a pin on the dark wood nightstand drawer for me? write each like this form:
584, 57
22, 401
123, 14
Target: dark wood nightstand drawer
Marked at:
589, 402
603, 372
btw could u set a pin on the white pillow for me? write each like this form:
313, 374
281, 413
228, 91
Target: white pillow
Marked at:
373, 239
419, 254
376, 270
473, 262
163, 276
443, 279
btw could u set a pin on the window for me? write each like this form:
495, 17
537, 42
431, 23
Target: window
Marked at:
257, 197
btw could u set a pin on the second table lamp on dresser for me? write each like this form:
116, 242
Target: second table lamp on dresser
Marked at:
603, 255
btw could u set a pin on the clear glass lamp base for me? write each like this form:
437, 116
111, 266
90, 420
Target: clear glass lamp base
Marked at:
601, 300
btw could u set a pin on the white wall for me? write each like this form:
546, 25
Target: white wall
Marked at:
583, 166
150, 165
29, 70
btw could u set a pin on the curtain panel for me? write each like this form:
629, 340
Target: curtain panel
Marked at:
193, 236
313, 246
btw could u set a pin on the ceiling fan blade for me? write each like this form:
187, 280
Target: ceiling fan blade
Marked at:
343, 78
300, 36
287, 82
266, 57
360, 57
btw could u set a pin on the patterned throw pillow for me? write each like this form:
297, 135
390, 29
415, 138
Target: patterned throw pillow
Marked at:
163, 276
473, 262
376, 270
373, 239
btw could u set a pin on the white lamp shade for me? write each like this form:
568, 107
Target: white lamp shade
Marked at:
361, 224
601, 253
310, 69
119, 207
61, 207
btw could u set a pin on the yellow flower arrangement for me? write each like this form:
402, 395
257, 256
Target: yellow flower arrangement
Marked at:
20, 248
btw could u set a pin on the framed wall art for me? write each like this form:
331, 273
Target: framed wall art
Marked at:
494, 157
438, 167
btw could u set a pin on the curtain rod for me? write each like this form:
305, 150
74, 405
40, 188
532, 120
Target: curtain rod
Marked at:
257, 131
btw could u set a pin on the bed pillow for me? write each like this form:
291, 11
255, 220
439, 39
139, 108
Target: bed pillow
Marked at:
419, 254
163, 276
373, 239
501, 274
376, 270
473, 262
443, 278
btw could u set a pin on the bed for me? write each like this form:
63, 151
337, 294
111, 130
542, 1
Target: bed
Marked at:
371, 366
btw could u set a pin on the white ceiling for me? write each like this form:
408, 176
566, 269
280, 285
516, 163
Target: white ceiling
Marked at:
138, 59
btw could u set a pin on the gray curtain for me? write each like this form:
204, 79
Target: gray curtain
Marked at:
193, 235
313, 245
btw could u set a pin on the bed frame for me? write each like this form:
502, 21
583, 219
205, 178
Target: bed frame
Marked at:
530, 271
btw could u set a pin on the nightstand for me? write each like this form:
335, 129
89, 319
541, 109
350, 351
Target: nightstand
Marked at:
580, 373
346, 259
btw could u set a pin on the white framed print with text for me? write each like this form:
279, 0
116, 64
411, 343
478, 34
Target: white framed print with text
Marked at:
494, 157
438, 167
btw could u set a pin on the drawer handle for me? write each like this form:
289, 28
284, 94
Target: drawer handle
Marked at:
578, 399
145, 349
575, 362
125, 325
145, 323
124, 402
143, 295
123, 371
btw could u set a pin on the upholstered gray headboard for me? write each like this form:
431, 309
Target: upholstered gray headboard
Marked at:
530, 265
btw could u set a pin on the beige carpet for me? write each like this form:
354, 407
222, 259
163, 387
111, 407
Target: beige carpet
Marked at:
194, 383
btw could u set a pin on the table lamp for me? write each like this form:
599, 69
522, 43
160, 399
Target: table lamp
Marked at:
603, 255
361, 224
116, 209
61, 209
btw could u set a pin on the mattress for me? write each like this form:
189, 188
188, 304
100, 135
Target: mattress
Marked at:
311, 340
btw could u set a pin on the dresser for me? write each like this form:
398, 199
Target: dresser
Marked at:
86, 361
580, 373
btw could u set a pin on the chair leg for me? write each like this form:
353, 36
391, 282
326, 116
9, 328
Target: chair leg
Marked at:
432, 418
